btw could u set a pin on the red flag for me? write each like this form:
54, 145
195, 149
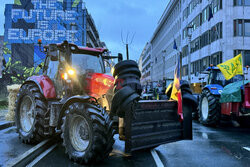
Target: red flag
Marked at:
176, 91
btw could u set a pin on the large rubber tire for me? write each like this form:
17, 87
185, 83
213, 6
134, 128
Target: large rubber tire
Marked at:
123, 65
131, 82
95, 125
209, 109
127, 105
130, 70
30, 98
129, 76
119, 97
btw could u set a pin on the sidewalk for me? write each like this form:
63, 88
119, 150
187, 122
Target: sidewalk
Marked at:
3, 112
3, 123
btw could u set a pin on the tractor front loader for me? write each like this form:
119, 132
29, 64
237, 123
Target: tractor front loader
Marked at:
76, 98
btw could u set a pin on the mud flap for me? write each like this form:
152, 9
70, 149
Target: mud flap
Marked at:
152, 123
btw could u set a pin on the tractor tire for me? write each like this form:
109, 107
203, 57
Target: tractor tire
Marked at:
133, 83
127, 105
31, 115
119, 97
186, 89
209, 109
87, 133
130, 70
124, 65
128, 76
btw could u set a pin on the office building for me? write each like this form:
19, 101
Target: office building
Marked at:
202, 39
52, 21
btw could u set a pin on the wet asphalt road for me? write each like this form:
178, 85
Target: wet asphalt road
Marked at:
10, 145
221, 146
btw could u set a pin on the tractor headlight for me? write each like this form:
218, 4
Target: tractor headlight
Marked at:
68, 74
65, 76
71, 71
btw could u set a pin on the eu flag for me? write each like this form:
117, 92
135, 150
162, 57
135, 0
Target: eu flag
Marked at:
210, 13
175, 46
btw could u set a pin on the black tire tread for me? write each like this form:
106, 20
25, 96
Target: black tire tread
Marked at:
120, 96
40, 129
214, 109
103, 133
122, 65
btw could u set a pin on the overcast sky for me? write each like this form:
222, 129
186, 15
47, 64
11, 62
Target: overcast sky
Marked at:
113, 17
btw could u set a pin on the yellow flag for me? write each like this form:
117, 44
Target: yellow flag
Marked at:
232, 67
17, 2
75, 3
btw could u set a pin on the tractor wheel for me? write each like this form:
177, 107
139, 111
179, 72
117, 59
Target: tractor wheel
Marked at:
87, 133
129, 76
120, 96
124, 65
127, 104
31, 115
132, 82
209, 112
130, 70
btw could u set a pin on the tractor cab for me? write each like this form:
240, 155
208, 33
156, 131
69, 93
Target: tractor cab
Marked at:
77, 70
216, 77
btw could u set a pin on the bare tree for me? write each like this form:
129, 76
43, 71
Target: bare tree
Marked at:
127, 42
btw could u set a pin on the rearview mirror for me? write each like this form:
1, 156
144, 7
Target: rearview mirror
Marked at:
200, 78
120, 58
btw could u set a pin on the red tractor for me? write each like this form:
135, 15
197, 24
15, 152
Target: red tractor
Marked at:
75, 98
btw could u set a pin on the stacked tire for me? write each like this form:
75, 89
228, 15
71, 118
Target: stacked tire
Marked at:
127, 87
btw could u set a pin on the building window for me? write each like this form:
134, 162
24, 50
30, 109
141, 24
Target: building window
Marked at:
216, 32
195, 45
247, 28
246, 56
238, 28
204, 63
185, 51
241, 2
184, 70
195, 67
185, 14
184, 33
247, 2
237, 2
205, 14
205, 39
216, 58
216, 5
242, 28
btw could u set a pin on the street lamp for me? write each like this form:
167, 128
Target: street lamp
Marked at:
189, 34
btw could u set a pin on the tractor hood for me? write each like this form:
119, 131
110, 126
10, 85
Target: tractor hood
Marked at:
215, 89
98, 84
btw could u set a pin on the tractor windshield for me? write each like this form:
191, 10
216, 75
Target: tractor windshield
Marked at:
84, 63
216, 77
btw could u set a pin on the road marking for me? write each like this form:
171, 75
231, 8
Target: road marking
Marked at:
247, 148
41, 156
156, 158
